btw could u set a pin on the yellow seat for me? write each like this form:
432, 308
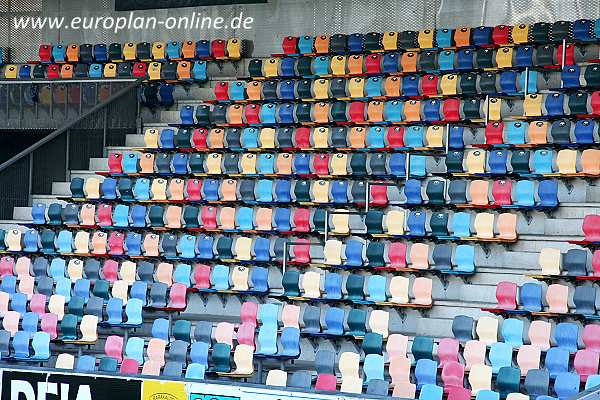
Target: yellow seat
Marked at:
356, 87
532, 105
248, 164
320, 137
151, 137
267, 138
154, 71
340, 222
504, 56
158, 51
127, 272
338, 65
549, 260
566, 160
390, 41
271, 68
234, 48
520, 34
239, 278
494, 109
65, 361
10, 71
321, 89
110, 70
129, 50
484, 225
394, 222
339, 164
348, 365
476, 162
333, 252
311, 284
213, 163
425, 39
448, 84
243, 248
159, 189
320, 191
276, 377
435, 136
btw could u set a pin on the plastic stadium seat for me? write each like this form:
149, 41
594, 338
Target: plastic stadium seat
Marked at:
500, 355
536, 382
566, 385
566, 335
557, 361
557, 298
431, 392
508, 381
530, 297
586, 363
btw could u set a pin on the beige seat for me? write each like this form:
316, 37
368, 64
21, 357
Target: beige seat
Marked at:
333, 252
248, 164
494, 109
89, 328
92, 188
26, 285
267, 138
396, 345
243, 248
127, 272
480, 378
474, 353
81, 241
151, 368
10, 322
151, 138
379, 322
517, 396
549, 260
65, 361
75, 269
394, 222
339, 164
484, 225
507, 226
156, 351
320, 191
487, 329
398, 289
290, 316
340, 223
566, 160
173, 217
120, 290
23, 266
56, 306
159, 189
164, 273
276, 377
351, 385
239, 278
311, 284
419, 256
13, 240
243, 357
348, 365
476, 162
213, 163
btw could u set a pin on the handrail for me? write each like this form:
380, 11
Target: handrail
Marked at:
70, 124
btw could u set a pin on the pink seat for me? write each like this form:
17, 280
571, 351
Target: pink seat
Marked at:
528, 357
178, 296
586, 363
396, 254
591, 228
4, 300
22, 267
453, 375
248, 313
474, 353
202, 276
459, 393
591, 337
290, 316
447, 351
557, 297
116, 243
129, 366
156, 352
113, 347
422, 288
224, 333
301, 251
7, 265
10, 322
110, 270
48, 324
539, 334
596, 263
245, 334
506, 295
399, 370
26, 285
396, 345
326, 382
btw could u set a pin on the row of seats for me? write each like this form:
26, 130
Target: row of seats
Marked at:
582, 30
29, 346
573, 263
521, 57
184, 71
375, 138
159, 51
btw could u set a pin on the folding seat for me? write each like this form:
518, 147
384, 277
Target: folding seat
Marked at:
556, 297
557, 361
425, 372
442, 257
585, 363
536, 382
500, 355
566, 335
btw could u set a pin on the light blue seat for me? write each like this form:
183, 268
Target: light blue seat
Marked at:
515, 132
268, 314
334, 320
543, 162
566, 385
557, 361
267, 340
141, 189
18, 301
63, 287
375, 137
187, 247
120, 215
29, 323
129, 163
431, 392
512, 331
86, 364
182, 274
464, 258
199, 353
413, 136
20, 344
418, 166
500, 355
133, 312
64, 242
487, 395
426, 372
393, 111
160, 329
57, 268
376, 285
250, 138
41, 346
31, 239
566, 335
524, 193
195, 371
264, 191
265, 164
114, 310
373, 367
592, 381
333, 286
373, 87
219, 277
9, 285
244, 218
259, 279
134, 349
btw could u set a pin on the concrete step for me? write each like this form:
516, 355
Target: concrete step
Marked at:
98, 164
135, 140
61, 188
85, 174
22, 213
46, 199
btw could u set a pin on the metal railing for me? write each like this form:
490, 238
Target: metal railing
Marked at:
70, 147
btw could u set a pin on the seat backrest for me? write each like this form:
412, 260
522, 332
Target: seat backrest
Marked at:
487, 329
550, 260
557, 298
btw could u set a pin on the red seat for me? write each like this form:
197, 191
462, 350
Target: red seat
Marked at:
596, 263
502, 193
501, 34
129, 366
217, 48
326, 382
595, 102
178, 296
301, 251
116, 242
105, 215
45, 53
208, 216
569, 54
245, 334
113, 347
429, 85
591, 228
506, 295
591, 337
356, 111
53, 71
110, 270
320, 164
459, 393
199, 139
373, 63
301, 220
379, 195
248, 313
451, 109
290, 45
586, 363
140, 70
48, 324
447, 351
395, 137
397, 255
453, 375
202, 276
493, 132
114, 163
193, 188
222, 91
252, 113
7, 265
302, 138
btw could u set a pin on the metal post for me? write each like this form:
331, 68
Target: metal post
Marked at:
67, 154
104, 127
448, 127
285, 256
407, 167
30, 179
564, 54
487, 108
367, 196
51, 100
326, 224
526, 81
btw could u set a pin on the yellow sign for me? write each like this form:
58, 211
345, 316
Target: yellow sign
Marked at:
157, 390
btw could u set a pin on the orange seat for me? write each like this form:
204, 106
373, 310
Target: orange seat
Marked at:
263, 219
507, 226
176, 189
229, 190
375, 111
322, 44
504, 56
355, 64
72, 53
184, 70
271, 68
227, 218
391, 86
538, 132
235, 114
66, 71
216, 138
357, 137
173, 217
147, 163
150, 244
422, 288
254, 90
412, 111
419, 256
479, 192
462, 36
188, 49
284, 164
321, 113
408, 61
590, 161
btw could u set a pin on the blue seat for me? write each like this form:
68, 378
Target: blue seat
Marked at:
219, 277
64, 242
566, 385
41, 346
592, 381
180, 163
204, 247
86, 364
195, 371
267, 340
418, 166
133, 242
515, 132
376, 286
524, 193
414, 136
173, 50
264, 191
282, 218
134, 349
512, 331
166, 138
186, 115
410, 85
557, 361
302, 164
58, 53
38, 213
259, 279
20, 344
390, 63
160, 329
199, 71
133, 312
141, 189
584, 131
554, 102
139, 290
320, 65
30, 241
187, 246
464, 258
373, 367
262, 249
497, 161
29, 323
570, 77
533, 77
412, 192
446, 60
487, 395
456, 137
393, 111
548, 193
431, 110
542, 162
182, 274
9, 285
108, 188
397, 164
120, 217
306, 44
57, 268
416, 223
333, 286
582, 30
431, 392
114, 310
199, 353
334, 321
426, 372
18, 301
210, 189
354, 250
244, 218
250, 138
283, 190
566, 335
237, 90
63, 287
290, 342
443, 37
287, 66
530, 297
500, 355
464, 59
